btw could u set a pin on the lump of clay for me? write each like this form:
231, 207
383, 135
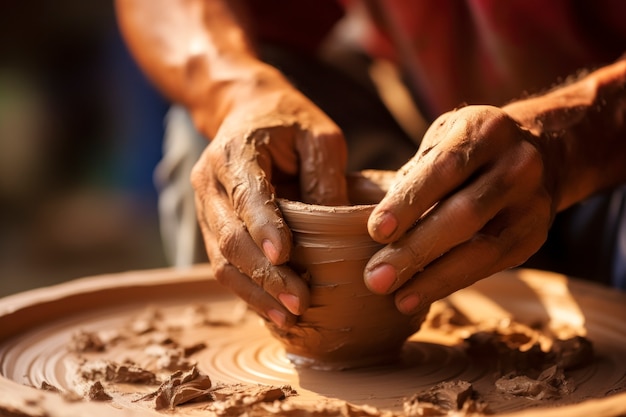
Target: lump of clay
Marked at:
97, 393
574, 352
85, 341
180, 388
114, 372
442, 398
550, 384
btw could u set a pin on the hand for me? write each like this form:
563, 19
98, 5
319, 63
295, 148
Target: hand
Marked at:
476, 199
274, 138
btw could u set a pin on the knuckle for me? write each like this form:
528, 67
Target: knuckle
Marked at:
229, 239
250, 295
470, 210
518, 255
530, 162
416, 255
197, 177
240, 195
221, 271
540, 225
523, 171
543, 208
452, 162
201, 172
519, 243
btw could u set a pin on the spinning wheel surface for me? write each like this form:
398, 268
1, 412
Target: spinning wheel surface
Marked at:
37, 329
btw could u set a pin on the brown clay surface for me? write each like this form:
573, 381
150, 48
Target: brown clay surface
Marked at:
130, 342
346, 325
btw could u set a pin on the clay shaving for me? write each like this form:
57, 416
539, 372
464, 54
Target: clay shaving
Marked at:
549, 384
118, 373
180, 388
96, 392
523, 369
450, 397
167, 363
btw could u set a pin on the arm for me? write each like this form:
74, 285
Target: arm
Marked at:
585, 122
196, 53
264, 133
483, 190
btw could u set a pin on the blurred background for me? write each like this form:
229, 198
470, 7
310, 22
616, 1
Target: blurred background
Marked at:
80, 135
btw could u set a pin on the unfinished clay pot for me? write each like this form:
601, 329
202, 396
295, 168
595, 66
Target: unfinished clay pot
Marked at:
346, 325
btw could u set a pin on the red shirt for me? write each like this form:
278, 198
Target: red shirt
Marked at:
464, 51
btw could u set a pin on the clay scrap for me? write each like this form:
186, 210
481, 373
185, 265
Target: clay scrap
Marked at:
163, 358
514, 351
448, 397
180, 388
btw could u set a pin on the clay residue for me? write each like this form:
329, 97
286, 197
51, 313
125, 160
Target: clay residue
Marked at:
84, 341
549, 384
163, 355
180, 388
446, 398
510, 365
46, 386
517, 349
526, 362
572, 353
173, 358
245, 399
129, 373
97, 393
329, 408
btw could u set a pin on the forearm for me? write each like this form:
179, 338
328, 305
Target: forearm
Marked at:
195, 51
582, 129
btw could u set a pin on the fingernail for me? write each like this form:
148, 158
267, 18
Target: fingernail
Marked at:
408, 304
277, 317
387, 224
270, 251
290, 301
381, 278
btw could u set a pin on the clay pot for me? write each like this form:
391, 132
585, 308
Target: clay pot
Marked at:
346, 325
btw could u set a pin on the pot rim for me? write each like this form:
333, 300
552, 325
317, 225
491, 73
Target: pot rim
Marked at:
372, 183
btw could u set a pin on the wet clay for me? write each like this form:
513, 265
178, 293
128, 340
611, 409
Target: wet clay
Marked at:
346, 325
446, 397
144, 343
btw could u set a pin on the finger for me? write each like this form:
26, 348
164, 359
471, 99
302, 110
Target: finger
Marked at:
243, 287
323, 160
451, 157
501, 244
238, 170
453, 221
237, 247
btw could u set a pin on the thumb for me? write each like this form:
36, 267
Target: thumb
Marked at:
323, 161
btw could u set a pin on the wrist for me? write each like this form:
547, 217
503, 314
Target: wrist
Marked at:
215, 90
580, 129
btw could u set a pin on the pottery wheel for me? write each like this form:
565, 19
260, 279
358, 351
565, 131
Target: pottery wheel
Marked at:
133, 313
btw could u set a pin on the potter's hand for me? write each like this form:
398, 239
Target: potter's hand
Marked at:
476, 199
265, 133
271, 139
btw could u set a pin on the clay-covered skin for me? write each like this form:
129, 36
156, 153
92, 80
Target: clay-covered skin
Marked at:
346, 324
